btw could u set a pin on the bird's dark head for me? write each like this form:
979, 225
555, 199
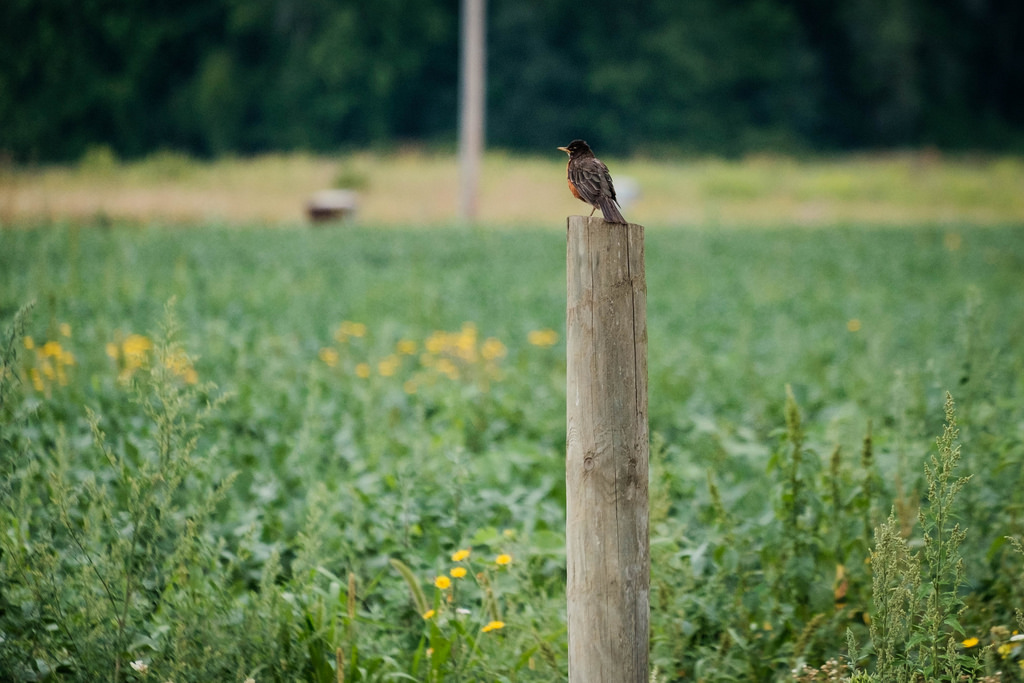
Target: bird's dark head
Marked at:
577, 148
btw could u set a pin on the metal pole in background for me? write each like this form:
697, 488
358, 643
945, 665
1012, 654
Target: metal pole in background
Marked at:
471, 119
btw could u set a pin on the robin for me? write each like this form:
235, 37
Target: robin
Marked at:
590, 181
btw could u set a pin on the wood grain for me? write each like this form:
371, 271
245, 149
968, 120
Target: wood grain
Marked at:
607, 451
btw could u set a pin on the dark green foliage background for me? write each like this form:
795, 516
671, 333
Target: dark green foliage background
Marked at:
240, 76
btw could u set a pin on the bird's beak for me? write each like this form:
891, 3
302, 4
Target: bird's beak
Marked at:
564, 149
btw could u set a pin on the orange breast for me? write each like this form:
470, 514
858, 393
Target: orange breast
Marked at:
572, 188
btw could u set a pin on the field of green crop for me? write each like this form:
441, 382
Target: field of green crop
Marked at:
338, 455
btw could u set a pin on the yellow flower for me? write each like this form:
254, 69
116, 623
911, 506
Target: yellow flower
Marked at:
388, 366
465, 343
52, 349
1004, 650
363, 370
503, 559
492, 349
436, 342
349, 329
29, 343
134, 352
853, 325
543, 338
136, 345
970, 642
458, 572
179, 363
443, 582
429, 614
460, 555
406, 347
329, 357
493, 626
448, 368
113, 350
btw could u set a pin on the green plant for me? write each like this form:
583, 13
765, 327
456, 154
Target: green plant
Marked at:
944, 576
917, 598
337, 452
465, 619
895, 586
1019, 547
113, 572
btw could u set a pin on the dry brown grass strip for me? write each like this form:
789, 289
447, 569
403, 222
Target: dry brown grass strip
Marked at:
415, 188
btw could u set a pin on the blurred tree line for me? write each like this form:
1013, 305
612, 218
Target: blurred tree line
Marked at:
722, 76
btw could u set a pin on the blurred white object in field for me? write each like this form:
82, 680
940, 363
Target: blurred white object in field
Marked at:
328, 205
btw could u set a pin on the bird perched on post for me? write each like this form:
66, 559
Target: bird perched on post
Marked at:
590, 181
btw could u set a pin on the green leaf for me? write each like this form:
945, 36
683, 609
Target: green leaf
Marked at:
414, 585
954, 624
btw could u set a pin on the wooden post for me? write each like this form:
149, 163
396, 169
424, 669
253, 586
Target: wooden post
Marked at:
607, 450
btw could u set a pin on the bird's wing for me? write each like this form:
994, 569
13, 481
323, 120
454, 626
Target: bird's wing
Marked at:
593, 180
606, 182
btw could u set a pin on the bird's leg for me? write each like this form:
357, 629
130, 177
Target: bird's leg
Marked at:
593, 210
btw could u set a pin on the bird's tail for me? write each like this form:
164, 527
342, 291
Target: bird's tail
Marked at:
611, 210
